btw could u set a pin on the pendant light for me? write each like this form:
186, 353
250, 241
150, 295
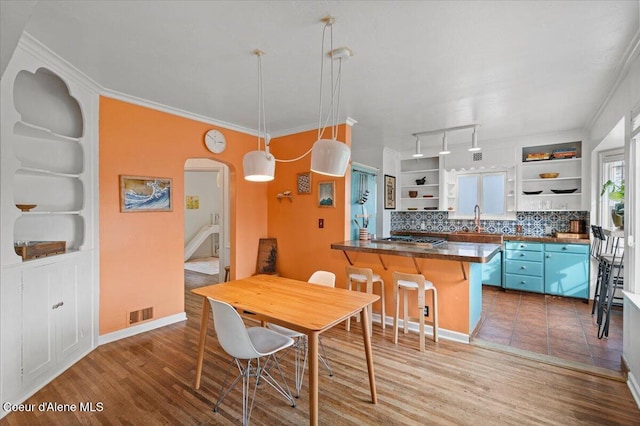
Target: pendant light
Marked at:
474, 141
418, 153
328, 156
260, 166
445, 149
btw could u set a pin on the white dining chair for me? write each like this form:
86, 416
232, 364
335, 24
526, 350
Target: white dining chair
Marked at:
324, 278
248, 344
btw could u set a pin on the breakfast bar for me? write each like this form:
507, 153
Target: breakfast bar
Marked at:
453, 267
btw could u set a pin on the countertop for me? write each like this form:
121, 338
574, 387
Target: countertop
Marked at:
505, 237
456, 251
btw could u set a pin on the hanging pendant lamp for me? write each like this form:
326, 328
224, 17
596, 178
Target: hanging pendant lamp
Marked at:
418, 153
474, 141
329, 156
260, 166
445, 148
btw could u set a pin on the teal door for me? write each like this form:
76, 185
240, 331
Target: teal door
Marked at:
566, 274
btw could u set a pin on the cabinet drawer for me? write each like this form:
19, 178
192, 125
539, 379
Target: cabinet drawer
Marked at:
522, 245
533, 256
524, 268
568, 248
524, 283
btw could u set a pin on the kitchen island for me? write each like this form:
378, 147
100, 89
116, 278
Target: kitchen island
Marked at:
453, 267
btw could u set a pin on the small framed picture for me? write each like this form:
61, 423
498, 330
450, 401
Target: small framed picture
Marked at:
389, 192
327, 194
304, 183
145, 194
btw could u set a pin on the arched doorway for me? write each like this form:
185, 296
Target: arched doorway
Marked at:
206, 217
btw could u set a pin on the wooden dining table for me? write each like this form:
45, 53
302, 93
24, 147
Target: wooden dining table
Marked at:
308, 308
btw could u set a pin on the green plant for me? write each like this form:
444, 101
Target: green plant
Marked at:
616, 192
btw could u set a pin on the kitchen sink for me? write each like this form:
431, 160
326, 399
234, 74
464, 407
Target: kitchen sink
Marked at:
475, 237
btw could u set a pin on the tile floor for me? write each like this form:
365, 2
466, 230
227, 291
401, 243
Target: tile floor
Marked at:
549, 325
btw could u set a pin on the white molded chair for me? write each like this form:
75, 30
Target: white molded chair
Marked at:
414, 282
324, 278
366, 276
249, 344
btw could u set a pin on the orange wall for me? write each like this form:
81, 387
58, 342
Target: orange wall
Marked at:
141, 254
303, 247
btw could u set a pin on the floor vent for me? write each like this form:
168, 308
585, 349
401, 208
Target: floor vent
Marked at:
140, 315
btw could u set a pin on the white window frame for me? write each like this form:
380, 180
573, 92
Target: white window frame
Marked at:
604, 203
504, 216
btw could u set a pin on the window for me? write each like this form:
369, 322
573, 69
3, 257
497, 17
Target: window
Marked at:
484, 189
613, 170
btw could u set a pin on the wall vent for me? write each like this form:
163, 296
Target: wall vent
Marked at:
140, 315
477, 156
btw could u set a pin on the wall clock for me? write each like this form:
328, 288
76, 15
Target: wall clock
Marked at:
215, 141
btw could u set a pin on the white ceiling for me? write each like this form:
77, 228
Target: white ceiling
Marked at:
515, 67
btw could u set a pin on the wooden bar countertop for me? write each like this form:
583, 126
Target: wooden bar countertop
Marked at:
455, 251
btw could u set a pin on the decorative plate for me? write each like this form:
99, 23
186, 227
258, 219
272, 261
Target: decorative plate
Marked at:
564, 191
532, 192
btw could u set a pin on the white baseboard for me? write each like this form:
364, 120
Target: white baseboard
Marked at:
443, 333
141, 328
633, 387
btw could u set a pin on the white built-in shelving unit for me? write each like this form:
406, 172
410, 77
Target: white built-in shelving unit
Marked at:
48, 154
428, 193
563, 192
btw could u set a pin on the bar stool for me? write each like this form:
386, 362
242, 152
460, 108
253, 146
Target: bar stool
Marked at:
411, 282
367, 277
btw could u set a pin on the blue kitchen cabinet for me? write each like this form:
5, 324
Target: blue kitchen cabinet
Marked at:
524, 266
566, 270
492, 271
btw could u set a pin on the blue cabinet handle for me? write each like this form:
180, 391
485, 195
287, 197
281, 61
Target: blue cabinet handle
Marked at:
524, 268
565, 248
523, 282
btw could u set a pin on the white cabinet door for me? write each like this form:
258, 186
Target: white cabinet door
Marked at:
38, 353
67, 314
55, 321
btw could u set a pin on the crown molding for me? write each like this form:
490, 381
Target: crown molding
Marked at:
34, 47
630, 54
176, 111
307, 128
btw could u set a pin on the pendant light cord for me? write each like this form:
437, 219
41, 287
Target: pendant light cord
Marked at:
334, 108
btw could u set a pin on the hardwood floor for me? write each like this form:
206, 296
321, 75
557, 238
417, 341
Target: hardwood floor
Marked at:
148, 379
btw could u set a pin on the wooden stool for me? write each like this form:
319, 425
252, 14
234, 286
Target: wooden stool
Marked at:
227, 272
367, 277
409, 282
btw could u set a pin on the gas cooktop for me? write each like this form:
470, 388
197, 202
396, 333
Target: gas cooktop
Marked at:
406, 239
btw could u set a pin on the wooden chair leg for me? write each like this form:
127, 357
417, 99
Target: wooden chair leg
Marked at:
405, 316
348, 324
396, 315
435, 314
421, 317
383, 310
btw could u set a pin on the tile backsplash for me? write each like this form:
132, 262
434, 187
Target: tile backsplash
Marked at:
535, 223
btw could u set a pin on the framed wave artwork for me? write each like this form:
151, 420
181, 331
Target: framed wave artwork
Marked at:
145, 194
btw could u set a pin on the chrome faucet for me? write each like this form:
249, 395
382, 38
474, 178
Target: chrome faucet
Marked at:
476, 218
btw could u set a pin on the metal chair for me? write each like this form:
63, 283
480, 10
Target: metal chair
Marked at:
611, 281
413, 282
324, 278
248, 344
366, 277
